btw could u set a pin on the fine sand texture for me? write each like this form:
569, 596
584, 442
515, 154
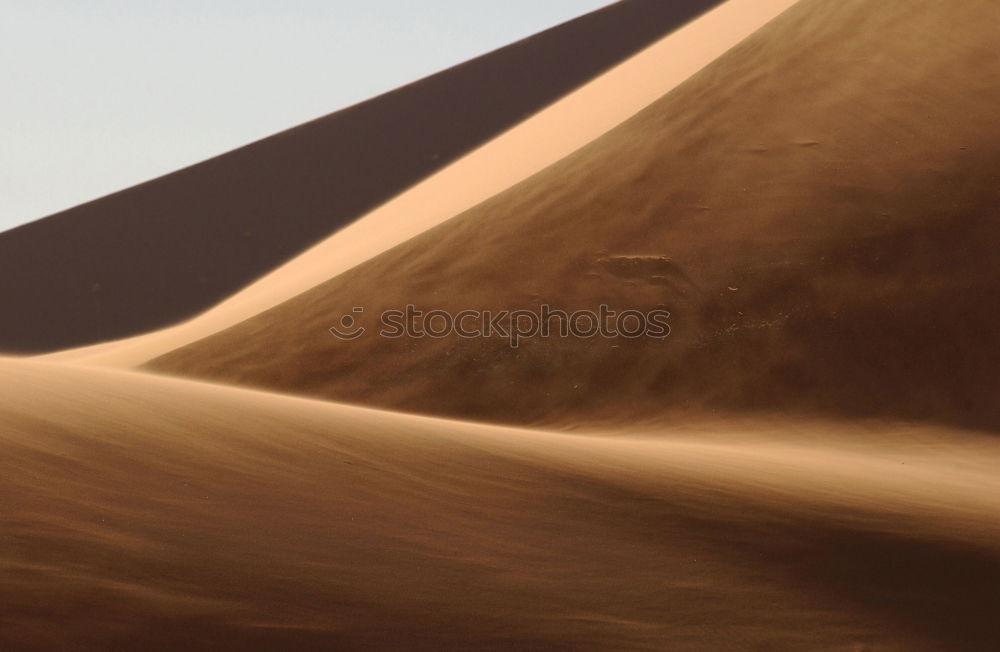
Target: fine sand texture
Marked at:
817, 209
531, 146
165, 250
160, 514
808, 462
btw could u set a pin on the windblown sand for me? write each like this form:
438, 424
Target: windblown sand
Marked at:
163, 251
808, 462
531, 146
148, 513
817, 210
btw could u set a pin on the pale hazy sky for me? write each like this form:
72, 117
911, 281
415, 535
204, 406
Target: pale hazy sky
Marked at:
98, 95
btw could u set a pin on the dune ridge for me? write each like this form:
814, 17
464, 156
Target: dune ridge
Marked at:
259, 521
165, 250
825, 228
807, 462
527, 148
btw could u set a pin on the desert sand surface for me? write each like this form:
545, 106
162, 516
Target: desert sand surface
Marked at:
163, 251
248, 520
816, 209
808, 461
526, 149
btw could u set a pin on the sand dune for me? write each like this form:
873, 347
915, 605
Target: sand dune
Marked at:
165, 250
252, 521
526, 149
810, 209
807, 462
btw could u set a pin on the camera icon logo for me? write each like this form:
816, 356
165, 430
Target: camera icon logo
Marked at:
348, 329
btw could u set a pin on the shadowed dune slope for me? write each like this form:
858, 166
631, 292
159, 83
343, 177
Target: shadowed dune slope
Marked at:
252, 521
818, 210
163, 251
531, 146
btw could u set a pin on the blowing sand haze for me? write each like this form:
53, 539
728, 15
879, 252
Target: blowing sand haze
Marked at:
747, 253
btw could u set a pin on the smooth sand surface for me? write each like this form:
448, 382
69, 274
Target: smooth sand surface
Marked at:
808, 462
164, 251
817, 210
533, 145
150, 513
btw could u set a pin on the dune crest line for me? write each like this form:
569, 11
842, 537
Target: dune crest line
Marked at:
514, 156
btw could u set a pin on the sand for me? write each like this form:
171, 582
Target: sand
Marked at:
807, 462
808, 208
164, 251
526, 149
149, 513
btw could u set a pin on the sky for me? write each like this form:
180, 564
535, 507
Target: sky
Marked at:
100, 95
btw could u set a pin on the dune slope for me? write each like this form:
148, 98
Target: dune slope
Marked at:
534, 144
251, 521
817, 210
165, 250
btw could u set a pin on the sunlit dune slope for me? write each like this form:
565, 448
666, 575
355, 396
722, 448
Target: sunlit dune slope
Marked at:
531, 146
161, 514
165, 250
818, 210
